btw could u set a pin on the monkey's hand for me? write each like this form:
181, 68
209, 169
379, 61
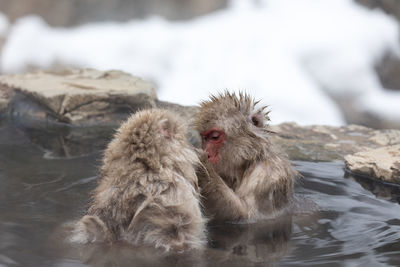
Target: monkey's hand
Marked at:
205, 170
207, 175
203, 176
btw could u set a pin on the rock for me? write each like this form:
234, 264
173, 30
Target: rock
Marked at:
391, 7
74, 113
354, 115
75, 12
385, 137
328, 143
5, 98
77, 97
366, 151
388, 70
381, 163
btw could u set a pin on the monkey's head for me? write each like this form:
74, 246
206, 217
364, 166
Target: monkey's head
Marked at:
154, 137
233, 129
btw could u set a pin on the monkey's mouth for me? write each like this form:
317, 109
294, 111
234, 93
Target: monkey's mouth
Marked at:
213, 158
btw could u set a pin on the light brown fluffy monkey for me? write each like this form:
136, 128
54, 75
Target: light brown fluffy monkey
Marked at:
147, 194
247, 177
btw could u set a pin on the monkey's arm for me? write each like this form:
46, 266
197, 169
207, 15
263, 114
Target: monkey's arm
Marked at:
267, 190
220, 200
91, 229
261, 193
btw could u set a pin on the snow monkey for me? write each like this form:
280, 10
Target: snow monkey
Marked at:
148, 191
247, 178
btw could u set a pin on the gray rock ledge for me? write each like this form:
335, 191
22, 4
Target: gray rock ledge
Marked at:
75, 112
366, 152
381, 163
76, 97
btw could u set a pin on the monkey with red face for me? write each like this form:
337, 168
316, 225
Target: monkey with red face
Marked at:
246, 177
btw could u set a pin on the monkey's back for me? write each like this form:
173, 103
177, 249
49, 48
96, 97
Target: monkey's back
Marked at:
120, 203
147, 193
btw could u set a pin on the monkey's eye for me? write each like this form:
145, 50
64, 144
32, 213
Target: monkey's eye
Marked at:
214, 135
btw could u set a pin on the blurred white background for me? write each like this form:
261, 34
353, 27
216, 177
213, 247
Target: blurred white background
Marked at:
312, 61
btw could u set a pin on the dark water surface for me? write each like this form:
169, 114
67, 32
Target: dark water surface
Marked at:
356, 223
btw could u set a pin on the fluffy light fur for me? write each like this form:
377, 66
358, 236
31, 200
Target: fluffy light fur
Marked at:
252, 179
148, 192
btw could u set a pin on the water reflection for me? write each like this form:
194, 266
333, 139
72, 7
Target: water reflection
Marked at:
380, 189
257, 242
230, 244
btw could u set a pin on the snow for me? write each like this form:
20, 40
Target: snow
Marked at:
291, 54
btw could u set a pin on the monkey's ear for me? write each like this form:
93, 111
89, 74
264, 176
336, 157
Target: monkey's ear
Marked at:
257, 119
165, 131
168, 128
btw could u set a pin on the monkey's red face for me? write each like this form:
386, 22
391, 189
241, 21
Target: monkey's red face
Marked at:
213, 139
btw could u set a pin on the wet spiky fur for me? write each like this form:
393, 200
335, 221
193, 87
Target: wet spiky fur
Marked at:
252, 179
148, 192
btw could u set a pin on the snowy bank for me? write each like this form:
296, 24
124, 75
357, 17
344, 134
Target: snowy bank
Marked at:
282, 51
